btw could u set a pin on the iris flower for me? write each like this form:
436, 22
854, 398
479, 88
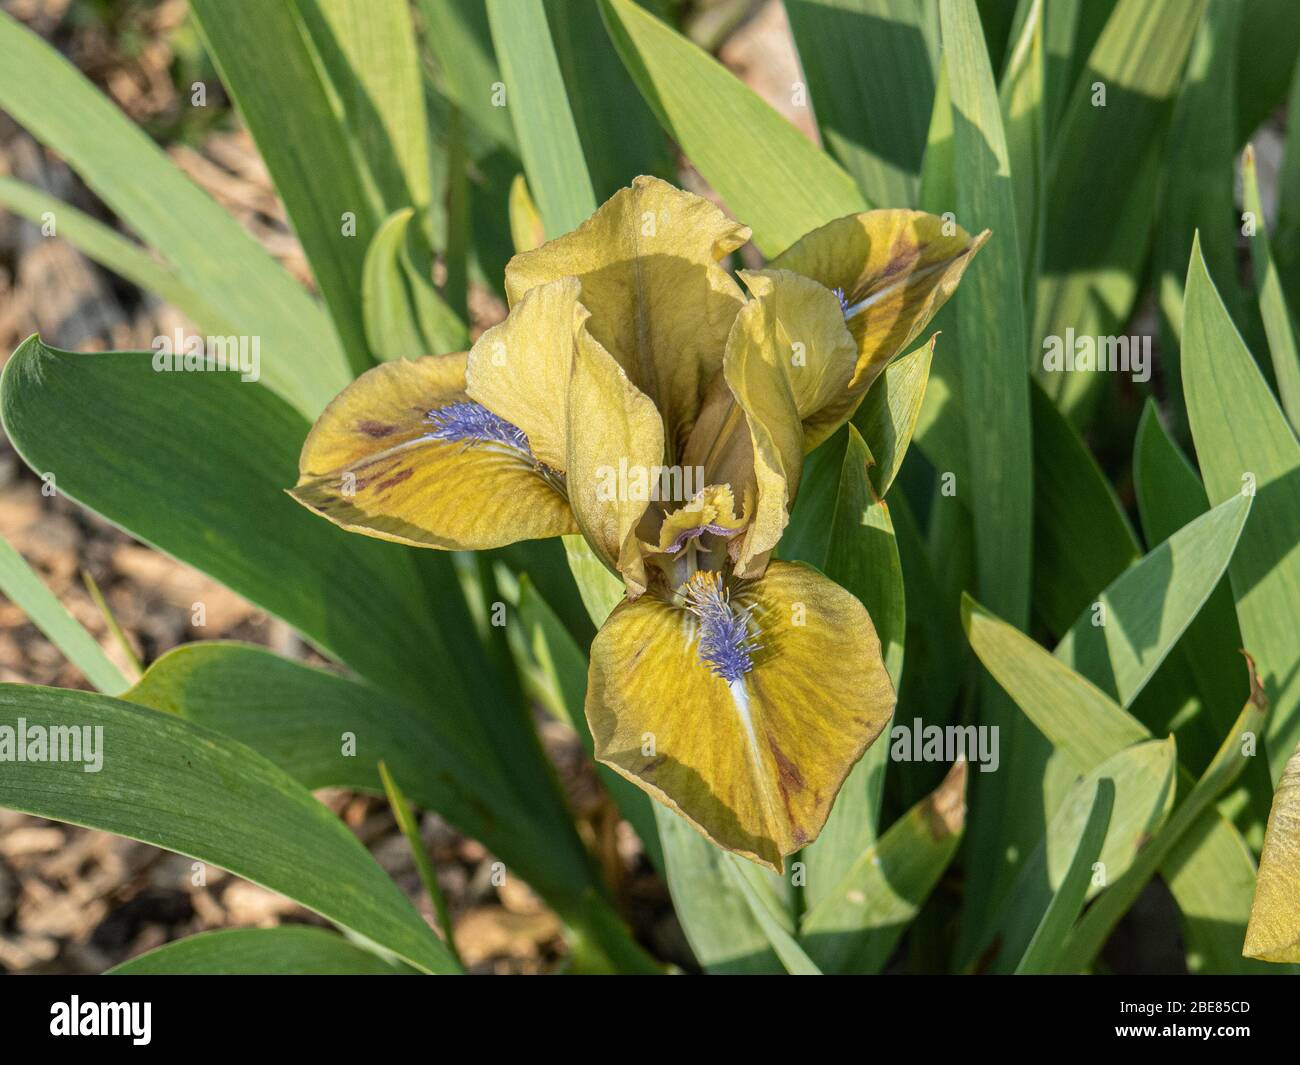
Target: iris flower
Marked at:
636, 394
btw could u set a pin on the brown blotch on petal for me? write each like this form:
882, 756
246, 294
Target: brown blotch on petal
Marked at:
376, 430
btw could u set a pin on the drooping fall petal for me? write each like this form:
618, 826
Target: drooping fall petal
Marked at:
659, 301
404, 454
895, 268
788, 357
1274, 930
733, 719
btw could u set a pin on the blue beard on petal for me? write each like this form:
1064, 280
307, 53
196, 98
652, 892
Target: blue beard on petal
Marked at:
473, 423
727, 644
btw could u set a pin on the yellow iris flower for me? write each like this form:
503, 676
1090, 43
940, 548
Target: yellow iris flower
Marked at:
636, 395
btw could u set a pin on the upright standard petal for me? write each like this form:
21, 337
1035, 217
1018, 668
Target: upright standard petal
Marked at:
788, 358
894, 270
614, 452
520, 368
724, 709
659, 301
404, 454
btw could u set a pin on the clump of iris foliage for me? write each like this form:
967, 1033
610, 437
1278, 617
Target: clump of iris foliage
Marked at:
909, 525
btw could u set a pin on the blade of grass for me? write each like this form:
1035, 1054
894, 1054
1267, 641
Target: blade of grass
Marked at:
410, 827
115, 630
26, 590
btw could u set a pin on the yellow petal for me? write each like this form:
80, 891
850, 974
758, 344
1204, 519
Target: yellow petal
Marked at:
896, 269
754, 765
613, 429
659, 301
520, 369
713, 510
1274, 930
370, 465
788, 357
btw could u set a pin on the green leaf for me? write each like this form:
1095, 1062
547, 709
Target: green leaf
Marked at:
1041, 954
111, 250
1075, 715
1143, 777
1211, 874
539, 106
1072, 494
1278, 323
720, 927
1286, 238
26, 590
1266, 57
990, 318
747, 879
1092, 932
240, 812
290, 950
601, 591
1021, 98
887, 417
212, 254
991, 329
1210, 870
1197, 194
1096, 233
367, 51
300, 718
564, 666
848, 534
857, 925
620, 137
405, 317
766, 171
458, 35
264, 59
1137, 620
120, 437
1169, 496
1244, 443
856, 54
